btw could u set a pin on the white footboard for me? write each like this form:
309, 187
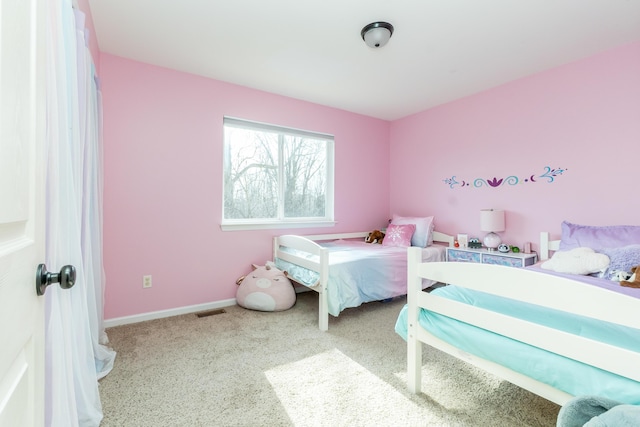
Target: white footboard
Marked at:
320, 261
319, 264
523, 285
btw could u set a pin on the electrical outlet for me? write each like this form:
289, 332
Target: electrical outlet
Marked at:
146, 281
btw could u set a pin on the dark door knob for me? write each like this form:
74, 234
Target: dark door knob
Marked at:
66, 278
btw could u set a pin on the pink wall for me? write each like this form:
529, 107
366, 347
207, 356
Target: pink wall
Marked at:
163, 182
583, 117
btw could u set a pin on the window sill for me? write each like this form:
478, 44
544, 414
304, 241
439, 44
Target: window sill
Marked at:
275, 225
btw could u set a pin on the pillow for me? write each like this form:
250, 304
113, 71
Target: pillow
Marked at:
621, 259
423, 236
577, 261
614, 236
399, 235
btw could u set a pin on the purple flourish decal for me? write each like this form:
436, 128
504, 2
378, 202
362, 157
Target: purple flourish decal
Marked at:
549, 174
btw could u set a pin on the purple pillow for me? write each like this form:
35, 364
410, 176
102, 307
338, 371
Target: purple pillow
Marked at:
621, 259
399, 235
598, 238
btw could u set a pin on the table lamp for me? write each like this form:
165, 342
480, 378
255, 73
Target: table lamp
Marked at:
491, 221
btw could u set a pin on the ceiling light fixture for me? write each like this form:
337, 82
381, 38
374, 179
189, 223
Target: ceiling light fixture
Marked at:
377, 34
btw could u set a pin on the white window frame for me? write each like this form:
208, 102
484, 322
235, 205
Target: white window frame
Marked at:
281, 221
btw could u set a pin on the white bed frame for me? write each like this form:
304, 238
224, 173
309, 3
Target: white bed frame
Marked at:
308, 244
525, 285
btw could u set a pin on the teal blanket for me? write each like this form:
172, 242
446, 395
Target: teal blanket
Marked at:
596, 411
565, 374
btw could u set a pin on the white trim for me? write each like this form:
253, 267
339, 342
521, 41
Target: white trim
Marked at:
230, 226
267, 127
143, 317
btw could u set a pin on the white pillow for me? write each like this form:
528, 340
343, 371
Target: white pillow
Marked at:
577, 261
423, 236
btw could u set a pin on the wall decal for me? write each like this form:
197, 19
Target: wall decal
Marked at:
548, 176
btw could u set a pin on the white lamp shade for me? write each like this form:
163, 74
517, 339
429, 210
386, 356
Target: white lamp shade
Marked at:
491, 220
377, 37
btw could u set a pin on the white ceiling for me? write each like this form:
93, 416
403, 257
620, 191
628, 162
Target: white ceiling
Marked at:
441, 50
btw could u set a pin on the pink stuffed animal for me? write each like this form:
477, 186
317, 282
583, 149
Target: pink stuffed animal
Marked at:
265, 289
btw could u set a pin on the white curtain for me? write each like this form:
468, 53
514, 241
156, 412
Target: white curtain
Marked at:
76, 354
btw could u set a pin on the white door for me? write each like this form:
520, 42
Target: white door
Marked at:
22, 103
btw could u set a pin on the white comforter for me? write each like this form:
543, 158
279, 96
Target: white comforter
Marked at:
361, 272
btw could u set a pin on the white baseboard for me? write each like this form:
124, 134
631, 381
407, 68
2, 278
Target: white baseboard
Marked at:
109, 323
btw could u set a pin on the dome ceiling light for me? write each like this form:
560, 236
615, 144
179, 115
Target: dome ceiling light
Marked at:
377, 34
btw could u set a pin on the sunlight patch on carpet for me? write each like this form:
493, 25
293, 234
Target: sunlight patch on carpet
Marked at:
332, 389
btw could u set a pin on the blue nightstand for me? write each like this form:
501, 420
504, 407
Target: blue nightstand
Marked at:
485, 256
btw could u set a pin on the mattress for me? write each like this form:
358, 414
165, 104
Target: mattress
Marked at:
360, 272
560, 372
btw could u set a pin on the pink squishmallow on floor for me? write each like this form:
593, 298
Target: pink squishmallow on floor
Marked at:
265, 289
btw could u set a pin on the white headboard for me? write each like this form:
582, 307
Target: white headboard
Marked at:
443, 238
438, 237
547, 245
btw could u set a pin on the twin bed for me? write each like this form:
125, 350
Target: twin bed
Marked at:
347, 272
556, 335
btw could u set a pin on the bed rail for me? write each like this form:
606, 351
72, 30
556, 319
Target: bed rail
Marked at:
524, 285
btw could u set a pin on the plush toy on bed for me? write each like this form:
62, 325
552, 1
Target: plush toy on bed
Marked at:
634, 280
376, 236
266, 288
620, 275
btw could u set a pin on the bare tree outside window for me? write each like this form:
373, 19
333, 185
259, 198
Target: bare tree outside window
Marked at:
274, 174
304, 177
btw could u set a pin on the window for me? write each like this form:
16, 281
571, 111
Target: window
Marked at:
276, 176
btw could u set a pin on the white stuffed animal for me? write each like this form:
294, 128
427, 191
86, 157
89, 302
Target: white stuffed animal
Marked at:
577, 261
265, 289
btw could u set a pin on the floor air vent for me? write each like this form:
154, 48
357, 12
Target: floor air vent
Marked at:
210, 313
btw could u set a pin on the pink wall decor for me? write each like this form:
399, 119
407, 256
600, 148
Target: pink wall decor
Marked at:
548, 176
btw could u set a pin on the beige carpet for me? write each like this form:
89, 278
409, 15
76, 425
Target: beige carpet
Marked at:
247, 368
